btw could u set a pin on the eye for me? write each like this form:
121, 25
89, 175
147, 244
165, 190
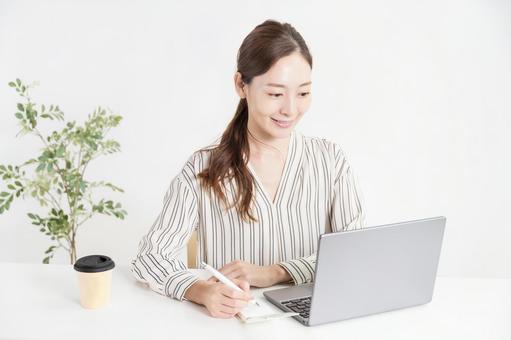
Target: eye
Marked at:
275, 94
304, 94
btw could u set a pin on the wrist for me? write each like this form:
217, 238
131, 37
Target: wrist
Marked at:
278, 274
196, 291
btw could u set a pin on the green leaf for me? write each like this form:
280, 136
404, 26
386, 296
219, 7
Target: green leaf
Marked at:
20, 107
30, 161
18, 81
41, 167
11, 84
4, 194
18, 115
49, 250
61, 150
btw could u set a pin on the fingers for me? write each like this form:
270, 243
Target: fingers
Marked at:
234, 303
222, 306
233, 294
212, 279
225, 302
230, 267
239, 273
221, 314
242, 283
233, 306
226, 307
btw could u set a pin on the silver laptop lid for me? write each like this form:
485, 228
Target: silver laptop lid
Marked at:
376, 269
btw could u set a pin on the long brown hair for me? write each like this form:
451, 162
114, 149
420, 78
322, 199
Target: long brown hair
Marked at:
261, 48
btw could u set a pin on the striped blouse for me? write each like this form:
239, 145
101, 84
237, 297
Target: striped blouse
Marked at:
317, 194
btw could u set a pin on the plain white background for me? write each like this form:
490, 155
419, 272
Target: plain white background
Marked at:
417, 94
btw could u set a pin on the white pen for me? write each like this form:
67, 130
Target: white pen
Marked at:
225, 280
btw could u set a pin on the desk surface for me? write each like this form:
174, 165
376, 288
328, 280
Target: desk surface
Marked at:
41, 302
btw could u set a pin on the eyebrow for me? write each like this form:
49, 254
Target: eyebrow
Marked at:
284, 86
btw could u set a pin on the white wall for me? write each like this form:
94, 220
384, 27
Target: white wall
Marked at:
417, 93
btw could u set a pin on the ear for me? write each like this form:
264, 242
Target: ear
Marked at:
239, 85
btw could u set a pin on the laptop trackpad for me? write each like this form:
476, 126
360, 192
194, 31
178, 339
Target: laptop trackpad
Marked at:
289, 293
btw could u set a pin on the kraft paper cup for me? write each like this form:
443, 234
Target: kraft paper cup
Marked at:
94, 280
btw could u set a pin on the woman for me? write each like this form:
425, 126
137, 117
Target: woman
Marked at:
261, 197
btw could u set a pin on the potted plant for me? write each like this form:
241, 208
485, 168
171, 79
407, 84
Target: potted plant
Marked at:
55, 178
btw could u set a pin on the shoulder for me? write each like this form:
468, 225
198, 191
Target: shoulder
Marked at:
187, 177
199, 160
326, 149
320, 146
194, 165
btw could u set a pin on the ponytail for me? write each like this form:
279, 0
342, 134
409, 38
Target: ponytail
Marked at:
228, 160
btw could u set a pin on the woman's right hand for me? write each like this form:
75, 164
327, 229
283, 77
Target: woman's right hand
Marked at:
220, 300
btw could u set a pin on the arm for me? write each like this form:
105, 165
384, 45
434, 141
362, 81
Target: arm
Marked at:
346, 213
156, 263
158, 266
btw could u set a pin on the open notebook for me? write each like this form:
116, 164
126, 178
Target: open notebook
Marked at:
263, 311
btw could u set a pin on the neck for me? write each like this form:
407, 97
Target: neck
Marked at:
263, 144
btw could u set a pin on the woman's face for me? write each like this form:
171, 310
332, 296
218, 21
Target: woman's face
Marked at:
278, 98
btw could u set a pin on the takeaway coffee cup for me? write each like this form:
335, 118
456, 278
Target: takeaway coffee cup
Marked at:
94, 280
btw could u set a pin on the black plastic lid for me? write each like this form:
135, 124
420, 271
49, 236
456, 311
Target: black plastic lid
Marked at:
94, 264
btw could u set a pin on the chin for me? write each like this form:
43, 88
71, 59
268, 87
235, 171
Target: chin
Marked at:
281, 133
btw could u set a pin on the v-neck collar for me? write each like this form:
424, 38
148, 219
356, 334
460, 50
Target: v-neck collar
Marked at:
290, 152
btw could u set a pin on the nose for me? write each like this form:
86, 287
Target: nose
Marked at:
289, 107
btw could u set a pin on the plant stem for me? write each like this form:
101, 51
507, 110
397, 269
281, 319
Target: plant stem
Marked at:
71, 240
72, 250
62, 245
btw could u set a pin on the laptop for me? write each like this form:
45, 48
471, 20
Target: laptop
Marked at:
367, 271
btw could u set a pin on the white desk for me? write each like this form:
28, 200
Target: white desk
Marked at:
41, 302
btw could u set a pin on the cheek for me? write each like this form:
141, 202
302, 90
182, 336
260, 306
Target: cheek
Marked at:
305, 104
266, 108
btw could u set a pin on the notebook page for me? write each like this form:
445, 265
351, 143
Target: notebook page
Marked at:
263, 311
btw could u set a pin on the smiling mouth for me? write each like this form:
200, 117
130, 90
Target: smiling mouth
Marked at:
282, 121
283, 124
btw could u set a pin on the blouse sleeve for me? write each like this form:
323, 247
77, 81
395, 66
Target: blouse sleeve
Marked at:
346, 213
156, 263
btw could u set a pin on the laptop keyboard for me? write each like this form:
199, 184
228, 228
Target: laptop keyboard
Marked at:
301, 306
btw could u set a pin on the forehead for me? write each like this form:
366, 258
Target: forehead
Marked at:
291, 71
